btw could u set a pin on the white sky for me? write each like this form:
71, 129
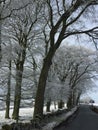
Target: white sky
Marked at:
94, 93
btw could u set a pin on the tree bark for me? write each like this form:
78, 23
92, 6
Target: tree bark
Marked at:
48, 106
19, 74
69, 102
8, 93
39, 100
78, 97
55, 104
17, 96
0, 39
74, 98
60, 104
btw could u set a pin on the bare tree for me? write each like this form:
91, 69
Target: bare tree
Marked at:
60, 21
7, 8
74, 66
22, 31
8, 92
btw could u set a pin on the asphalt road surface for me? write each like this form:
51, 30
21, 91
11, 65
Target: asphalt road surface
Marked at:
86, 119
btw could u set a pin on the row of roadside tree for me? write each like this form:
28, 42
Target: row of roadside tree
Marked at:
32, 63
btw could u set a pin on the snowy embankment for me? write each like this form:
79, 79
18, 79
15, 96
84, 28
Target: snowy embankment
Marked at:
26, 115
95, 104
94, 107
58, 120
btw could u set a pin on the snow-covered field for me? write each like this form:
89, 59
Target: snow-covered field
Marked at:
26, 115
95, 104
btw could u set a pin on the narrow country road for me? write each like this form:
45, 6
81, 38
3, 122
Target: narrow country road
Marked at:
85, 120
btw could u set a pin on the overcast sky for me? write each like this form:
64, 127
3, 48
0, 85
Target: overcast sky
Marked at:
94, 93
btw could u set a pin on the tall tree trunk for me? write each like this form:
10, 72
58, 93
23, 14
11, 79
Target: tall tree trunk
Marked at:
69, 102
48, 105
8, 92
35, 78
60, 104
78, 97
17, 97
0, 39
19, 74
39, 100
55, 104
73, 98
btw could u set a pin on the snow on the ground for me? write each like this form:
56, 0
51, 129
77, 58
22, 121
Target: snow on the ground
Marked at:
26, 115
58, 120
95, 104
